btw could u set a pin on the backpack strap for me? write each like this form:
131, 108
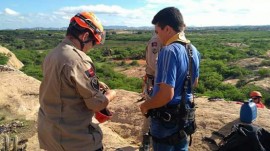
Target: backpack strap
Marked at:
188, 79
187, 82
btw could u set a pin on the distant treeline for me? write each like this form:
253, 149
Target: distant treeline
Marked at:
220, 51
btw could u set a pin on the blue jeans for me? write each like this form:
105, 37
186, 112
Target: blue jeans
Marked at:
182, 146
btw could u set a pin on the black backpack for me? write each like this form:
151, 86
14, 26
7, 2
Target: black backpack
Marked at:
246, 137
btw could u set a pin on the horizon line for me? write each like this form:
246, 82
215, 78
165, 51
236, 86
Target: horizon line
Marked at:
139, 27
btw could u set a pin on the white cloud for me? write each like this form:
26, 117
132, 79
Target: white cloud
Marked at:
10, 12
111, 15
98, 9
195, 13
220, 12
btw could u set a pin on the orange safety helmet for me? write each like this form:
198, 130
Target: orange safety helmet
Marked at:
103, 115
255, 93
90, 21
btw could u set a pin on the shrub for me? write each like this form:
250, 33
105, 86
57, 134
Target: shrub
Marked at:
265, 63
117, 80
3, 59
123, 63
215, 94
212, 80
134, 63
241, 82
231, 92
264, 72
34, 71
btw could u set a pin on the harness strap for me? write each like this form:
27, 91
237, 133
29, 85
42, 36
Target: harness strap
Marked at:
190, 140
179, 112
188, 79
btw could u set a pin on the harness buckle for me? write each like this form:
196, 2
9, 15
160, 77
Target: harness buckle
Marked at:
167, 117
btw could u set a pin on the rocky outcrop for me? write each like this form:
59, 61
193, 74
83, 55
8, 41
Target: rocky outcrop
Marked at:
19, 95
13, 61
7, 68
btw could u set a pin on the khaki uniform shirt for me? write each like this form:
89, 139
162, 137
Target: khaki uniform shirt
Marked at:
68, 94
152, 50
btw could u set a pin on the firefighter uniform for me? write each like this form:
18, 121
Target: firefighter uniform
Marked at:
152, 50
69, 93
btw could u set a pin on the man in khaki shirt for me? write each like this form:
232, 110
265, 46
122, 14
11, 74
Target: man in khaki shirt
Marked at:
152, 50
70, 91
153, 47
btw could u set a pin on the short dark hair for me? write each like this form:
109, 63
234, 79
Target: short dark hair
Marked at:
75, 30
170, 16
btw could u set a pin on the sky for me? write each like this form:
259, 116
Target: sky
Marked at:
15, 14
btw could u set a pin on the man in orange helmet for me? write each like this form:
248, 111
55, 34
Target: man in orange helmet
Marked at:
70, 91
256, 97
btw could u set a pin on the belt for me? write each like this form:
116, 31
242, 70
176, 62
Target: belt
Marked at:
167, 113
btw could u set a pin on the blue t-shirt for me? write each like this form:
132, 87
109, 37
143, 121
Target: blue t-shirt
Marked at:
172, 68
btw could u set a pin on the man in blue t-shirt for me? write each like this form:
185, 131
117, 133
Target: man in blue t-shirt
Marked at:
172, 68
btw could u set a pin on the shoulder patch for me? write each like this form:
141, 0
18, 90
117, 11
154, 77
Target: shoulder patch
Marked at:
90, 72
95, 84
154, 44
154, 47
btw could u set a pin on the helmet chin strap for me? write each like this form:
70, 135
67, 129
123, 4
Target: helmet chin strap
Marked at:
82, 43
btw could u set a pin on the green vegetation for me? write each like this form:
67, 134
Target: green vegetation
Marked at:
32, 60
30, 40
3, 59
220, 51
117, 80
